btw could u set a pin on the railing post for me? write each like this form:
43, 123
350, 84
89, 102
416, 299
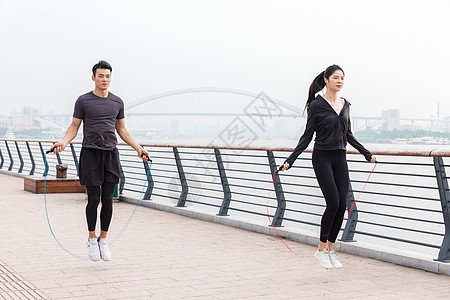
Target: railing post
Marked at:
2, 160
75, 158
20, 158
44, 160
150, 183
58, 158
225, 186
11, 161
183, 181
444, 194
33, 164
281, 202
352, 221
122, 180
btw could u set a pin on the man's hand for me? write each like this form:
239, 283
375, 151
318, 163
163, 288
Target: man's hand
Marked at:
143, 154
58, 147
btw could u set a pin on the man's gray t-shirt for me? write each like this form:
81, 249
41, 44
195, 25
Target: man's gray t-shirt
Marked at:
99, 117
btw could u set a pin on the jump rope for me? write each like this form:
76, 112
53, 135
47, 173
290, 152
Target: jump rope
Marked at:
142, 193
271, 190
123, 229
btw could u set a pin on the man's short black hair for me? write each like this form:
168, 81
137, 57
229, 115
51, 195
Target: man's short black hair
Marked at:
101, 65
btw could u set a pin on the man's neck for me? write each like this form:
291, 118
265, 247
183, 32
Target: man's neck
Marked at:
100, 93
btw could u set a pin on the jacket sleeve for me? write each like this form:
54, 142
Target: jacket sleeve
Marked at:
306, 138
352, 141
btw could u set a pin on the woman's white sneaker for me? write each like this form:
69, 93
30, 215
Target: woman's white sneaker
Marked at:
324, 259
93, 250
334, 260
104, 250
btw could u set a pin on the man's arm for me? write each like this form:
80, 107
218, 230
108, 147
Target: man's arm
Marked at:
127, 138
71, 133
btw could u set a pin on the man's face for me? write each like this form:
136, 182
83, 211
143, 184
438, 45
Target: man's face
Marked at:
102, 79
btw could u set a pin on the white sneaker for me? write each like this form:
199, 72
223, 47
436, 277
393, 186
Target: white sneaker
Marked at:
324, 259
93, 251
334, 260
104, 250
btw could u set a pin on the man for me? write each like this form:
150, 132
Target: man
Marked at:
102, 113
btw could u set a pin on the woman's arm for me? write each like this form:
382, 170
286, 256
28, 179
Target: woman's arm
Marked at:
352, 141
304, 141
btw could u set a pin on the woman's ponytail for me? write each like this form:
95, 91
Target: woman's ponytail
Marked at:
317, 85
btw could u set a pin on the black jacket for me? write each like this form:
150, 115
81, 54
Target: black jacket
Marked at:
332, 130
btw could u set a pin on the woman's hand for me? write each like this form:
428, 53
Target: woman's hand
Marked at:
373, 159
284, 167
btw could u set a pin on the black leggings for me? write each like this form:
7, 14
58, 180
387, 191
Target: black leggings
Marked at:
332, 174
107, 192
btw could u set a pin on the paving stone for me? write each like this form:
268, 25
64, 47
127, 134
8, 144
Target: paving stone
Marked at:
168, 256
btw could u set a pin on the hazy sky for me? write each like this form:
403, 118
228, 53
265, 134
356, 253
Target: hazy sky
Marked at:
395, 53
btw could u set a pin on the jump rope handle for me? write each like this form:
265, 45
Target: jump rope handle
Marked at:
145, 155
51, 150
279, 169
148, 158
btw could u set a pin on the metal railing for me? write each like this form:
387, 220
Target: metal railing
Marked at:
405, 204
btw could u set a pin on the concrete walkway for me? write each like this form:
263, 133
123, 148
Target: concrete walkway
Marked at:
168, 256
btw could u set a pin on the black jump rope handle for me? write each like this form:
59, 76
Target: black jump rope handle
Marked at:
148, 158
279, 169
51, 150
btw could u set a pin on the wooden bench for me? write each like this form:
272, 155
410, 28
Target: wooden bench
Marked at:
35, 184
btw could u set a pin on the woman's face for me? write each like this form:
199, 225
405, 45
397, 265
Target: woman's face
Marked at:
336, 81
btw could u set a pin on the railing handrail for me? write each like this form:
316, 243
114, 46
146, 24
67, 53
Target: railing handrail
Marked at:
397, 150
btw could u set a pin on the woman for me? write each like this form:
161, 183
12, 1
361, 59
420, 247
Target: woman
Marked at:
329, 118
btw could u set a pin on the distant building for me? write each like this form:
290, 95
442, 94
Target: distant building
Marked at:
444, 124
391, 118
3, 122
24, 119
